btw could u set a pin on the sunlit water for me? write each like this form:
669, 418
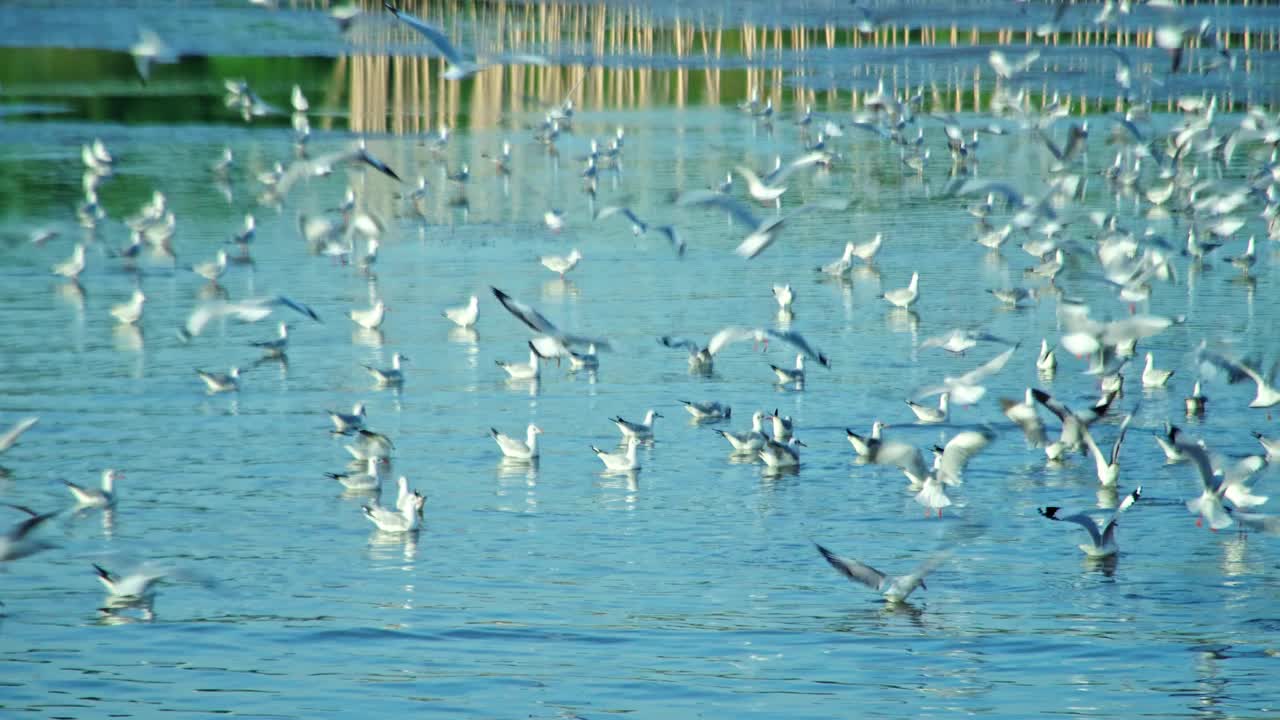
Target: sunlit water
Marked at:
688, 589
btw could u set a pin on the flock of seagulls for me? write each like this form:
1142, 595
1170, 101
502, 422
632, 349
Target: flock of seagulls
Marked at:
1205, 178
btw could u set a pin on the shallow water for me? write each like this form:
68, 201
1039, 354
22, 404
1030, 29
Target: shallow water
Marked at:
689, 589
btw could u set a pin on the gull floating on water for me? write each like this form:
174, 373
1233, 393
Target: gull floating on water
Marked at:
392, 376
465, 316
401, 520
904, 297
72, 266
749, 442
523, 371
346, 423
1153, 377
642, 431
219, 382
360, 481
129, 313
895, 589
275, 348
787, 375
705, 411
370, 319
1102, 540
138, 587
779, 455
517, 449
929, 416
620, 461
94, 497
561, 264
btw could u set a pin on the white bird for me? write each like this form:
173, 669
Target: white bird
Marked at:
517, 449
405, 497
758, 190
401, 520
18, 541
784, 296
933, 494
459, 66
130, 313
276, 347
211, 270
641, 431
554, 220
523, 371
1102, 540
702, 411
702, 359
842, 265
762, 232
360, 481
94, 497
1270, 445
1266, 396
788, 375
1168, 442
866, 252
251, 310
959, 340
904, 297
1024, 415
1046, 360
72, 266
1196, 401
588, 360
779, 455
967, 389
219, 382
299, 100
895, 589
465, 316
561, 264
346, 423
782, 426
150, 49
1153, 377
10, 437
750, 442
392, 376
953, 457
370, 319
864, 445
619, 462
138, 587
548, 340
930, 416
1108, 466
1208, 506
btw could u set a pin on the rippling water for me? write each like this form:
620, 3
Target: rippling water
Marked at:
690, 588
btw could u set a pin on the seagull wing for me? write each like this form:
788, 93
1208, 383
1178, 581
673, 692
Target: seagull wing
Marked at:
1109, 528
730, 335
959, 450
737, 210
854, 570
797, 340
433, 34
12, 434
678, 342
1080, 519
525, 314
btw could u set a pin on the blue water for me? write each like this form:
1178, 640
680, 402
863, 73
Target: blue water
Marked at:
689, 589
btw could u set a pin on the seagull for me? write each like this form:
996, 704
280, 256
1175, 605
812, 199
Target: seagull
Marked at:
130, 313
894, 589
1270, 445
523, 371
1168, 442
778, 455
212, 269
93, 497
517, 449
150, 49
1073, 425
1024, 415
842, 265
17, 542
750, 442
401, 520
1153, 377
218, 382
323, 165
360, 481
1102, 540
959, 340
758, 190
706, 411
933, 493
72, 266
344, 423
1209, 504
863, 446
701, 359
619, 462
1266, 396
1108, 466
904, 297
588, 360
866, 252
138, 587
784, 296
638, 226
1196, 401
392, 376
251, 310
786, 375
406, 497
276, 347
782, 426
465, 316
370, 319
1046, 360
966, 389
641, 430
10, 437
459, 67
762, 232
931, 416
561, 264
956, 454
548, 340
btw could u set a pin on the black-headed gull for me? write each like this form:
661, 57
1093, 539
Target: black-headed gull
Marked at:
704, 411
371, 318
516, 449
1195, 402
346, 423
220, 382
1266, 396
10, 437
459, 66
1102, 540
904, 297
548, 340
400, 520
1024, 415
465, 316
1108, 466
18, 541
790, 375
931, 416
250, 310
87, 497
130, 312
1153, 377
624, 461
277, 346
561, 264
966, 389
389, 377
761, 231
781, 455
784, 296
640, 430
749, 442
1208, 505
138, 587
72, 266
523, 371
360, 481
895, 589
